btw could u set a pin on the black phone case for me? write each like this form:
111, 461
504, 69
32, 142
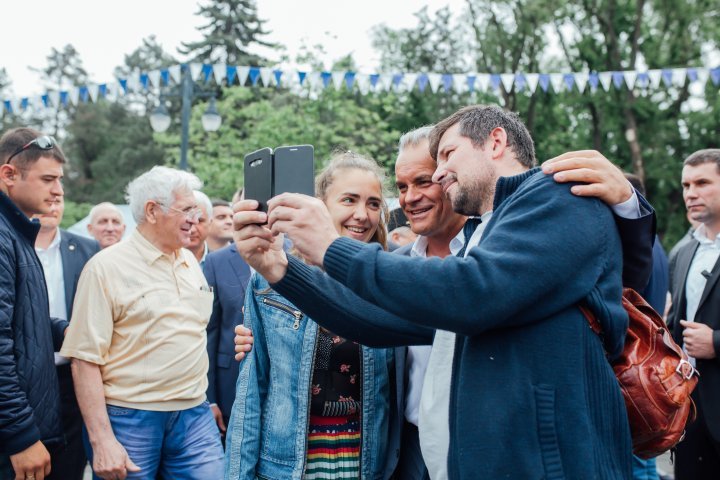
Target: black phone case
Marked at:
259, 176
294, 170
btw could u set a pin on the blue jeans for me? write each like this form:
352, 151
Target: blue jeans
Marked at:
644, 469
183, 444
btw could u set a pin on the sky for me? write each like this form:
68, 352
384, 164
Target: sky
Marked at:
103, 31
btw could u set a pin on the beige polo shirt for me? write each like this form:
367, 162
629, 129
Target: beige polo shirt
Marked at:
141, 316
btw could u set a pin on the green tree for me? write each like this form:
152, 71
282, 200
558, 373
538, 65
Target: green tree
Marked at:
328, 122
108, 145
64, 70
233, 28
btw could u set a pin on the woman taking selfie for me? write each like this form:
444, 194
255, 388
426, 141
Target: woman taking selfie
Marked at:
309, 403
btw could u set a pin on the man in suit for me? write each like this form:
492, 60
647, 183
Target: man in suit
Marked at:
228, 275
63, 256
695, 314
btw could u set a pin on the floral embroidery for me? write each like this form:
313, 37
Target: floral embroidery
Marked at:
353, 378
316, 389
344, 368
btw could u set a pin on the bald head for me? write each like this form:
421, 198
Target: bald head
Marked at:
107, 225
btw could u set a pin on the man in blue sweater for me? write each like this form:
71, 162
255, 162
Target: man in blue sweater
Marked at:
517, 382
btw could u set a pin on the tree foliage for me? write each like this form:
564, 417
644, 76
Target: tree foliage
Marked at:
233, 28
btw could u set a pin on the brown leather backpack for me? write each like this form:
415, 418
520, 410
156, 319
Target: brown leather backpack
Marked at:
656, 378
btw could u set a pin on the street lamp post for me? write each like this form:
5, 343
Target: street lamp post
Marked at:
211, 120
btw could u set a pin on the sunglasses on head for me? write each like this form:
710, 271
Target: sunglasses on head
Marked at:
44, 142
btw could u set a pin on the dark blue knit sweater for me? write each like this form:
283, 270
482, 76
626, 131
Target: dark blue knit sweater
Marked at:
532, 393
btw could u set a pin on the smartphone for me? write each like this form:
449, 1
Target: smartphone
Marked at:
259, 177
294, 170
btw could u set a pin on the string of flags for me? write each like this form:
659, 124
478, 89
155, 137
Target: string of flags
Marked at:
365, 83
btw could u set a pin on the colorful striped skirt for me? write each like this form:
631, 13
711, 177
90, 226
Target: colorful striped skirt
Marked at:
333, 448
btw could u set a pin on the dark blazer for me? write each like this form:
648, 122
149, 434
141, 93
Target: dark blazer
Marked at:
228, 275
708, 312
75, 251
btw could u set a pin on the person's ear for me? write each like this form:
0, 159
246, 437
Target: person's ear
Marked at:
8, 175
151, 212
498, 139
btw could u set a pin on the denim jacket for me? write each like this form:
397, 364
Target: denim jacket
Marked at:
268, 430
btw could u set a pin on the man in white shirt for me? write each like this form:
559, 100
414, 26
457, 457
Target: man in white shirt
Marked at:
695, 314
63, 256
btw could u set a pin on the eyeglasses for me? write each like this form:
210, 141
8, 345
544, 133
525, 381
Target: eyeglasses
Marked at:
43, 143
192, 213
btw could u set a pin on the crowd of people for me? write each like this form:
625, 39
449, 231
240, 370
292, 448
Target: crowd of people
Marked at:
328, 338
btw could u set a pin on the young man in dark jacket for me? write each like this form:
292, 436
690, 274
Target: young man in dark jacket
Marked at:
31, 168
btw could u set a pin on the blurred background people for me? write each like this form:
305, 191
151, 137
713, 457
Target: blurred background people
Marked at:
106, 224
220, 229
199, 231
63, 256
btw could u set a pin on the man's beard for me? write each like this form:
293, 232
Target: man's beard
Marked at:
476, 196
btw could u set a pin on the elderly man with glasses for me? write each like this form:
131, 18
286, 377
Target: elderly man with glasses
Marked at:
137, 340
31, 169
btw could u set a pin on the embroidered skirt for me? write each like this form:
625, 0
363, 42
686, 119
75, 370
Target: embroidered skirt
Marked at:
333, 448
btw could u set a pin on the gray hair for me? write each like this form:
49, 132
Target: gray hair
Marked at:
101, 206
205, 203
159, 184
413, 138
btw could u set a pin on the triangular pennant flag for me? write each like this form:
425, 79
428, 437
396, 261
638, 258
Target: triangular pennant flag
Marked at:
102, 90
569, 81
175, 73
325, 77
124, 84
594, 81
195, 70
556, 80
642, 80
63, 98
349, 80
24, 102
207, 71
655, 77
374, 79
483, 82
301, 77
520, 82
618, 79
54, 98
144, 80
715, 76
254, 74
155, 78
605, 80
278, 76
434, 79
422, 82
74, 95
37, 103
219, 71
230, 74
702, 76
386, 80
314, 81
667, 76
84, 94
338, 78
581, 80
495, 81
266, 75
507, 80
397, 80
630, 78
242, 75
692, 75
678, 76
15, 105
471, 82
133, 82
544, 82
8, 106
165, 77
93, 92
362, 80
447, 82
460, 84
45, 101
532, 81
409, 81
